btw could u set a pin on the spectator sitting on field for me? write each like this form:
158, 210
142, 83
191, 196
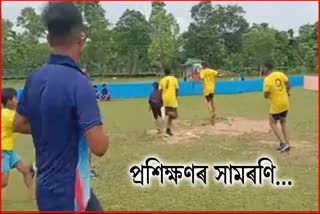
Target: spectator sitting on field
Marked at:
105, 93
98, 96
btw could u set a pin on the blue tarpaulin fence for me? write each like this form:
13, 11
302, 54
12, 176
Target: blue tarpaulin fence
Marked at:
143, 89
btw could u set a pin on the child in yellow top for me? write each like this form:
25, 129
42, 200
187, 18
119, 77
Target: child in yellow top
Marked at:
276, 88
10, 159
208, 77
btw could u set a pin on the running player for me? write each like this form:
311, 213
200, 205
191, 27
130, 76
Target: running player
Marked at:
277, 90
209, 77
169, 87
11, 159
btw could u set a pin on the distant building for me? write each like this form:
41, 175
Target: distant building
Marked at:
192, 67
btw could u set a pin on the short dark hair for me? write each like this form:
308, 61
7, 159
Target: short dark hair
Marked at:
8, 94
167, 71
268, 64
62, 18
104, 85
95, 86
204, 64
155, 85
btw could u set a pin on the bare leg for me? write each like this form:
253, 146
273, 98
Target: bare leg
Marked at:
211, 109
210, 106
172, 114
26, 170
284, 129
5, 179
169, 122
273, 125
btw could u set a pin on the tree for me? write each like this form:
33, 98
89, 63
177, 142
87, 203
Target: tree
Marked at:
258, 44
308, 47
163, 50
231, 24
132, 36
97, 55
31, 22
8, 53
201, 12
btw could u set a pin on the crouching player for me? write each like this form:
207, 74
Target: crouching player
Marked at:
10, 159
169, 89
155, 104
276, 89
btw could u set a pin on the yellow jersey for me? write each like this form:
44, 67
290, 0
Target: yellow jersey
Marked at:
169, 86
208, 77
8, 136
275, 84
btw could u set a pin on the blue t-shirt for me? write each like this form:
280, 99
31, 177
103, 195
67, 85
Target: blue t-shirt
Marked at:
60, 103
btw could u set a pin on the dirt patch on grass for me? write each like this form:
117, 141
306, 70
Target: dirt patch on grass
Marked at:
185, 131
241, 128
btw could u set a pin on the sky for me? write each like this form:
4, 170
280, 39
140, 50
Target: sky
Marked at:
280, 15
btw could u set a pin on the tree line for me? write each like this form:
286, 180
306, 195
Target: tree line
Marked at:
219, 35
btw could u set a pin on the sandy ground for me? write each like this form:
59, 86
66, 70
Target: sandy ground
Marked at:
189, 131
185, 131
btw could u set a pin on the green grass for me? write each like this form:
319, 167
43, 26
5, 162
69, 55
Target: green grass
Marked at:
20, 83
127, 122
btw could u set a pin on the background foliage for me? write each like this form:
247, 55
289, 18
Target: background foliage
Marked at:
137, 44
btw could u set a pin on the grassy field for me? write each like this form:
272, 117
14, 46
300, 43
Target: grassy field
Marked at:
128, 120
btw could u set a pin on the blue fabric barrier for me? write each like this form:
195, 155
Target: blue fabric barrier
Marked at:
143, 89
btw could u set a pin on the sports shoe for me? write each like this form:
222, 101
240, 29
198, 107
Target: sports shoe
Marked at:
93, 173
168, 133
284, 147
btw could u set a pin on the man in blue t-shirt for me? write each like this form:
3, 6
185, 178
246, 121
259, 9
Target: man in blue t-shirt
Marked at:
58, 108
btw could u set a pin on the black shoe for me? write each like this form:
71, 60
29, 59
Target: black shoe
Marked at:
93, 174
168, 133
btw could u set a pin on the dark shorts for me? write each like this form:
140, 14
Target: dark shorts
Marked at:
279, 116
93, 203
62, 199
156, 111
209, 97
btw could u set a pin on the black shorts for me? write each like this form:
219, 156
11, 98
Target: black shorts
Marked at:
156, 111
279, 116
93, 203
209, 97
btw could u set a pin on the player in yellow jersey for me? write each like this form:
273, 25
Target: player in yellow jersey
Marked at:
169, 87
10, 159
276, 88
208, 77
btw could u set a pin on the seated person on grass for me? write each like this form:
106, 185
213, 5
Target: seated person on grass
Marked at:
105, 93
98, 97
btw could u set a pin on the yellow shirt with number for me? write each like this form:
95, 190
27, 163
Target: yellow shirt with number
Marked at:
169, 86
8, 136
275, 84
208, 77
